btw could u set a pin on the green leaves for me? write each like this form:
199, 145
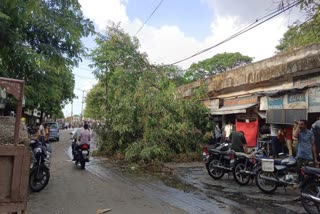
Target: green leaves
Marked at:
216, 64
301, 34
40, 42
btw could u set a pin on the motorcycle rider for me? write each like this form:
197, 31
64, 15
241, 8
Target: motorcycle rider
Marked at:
84, 137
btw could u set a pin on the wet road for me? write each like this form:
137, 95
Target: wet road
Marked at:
103, 185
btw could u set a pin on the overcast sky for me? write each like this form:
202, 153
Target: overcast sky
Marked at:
180, 28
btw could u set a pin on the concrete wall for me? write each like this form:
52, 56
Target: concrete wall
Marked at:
276, 70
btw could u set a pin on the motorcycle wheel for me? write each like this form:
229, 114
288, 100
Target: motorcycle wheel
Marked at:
215, 173
239, 177
264, 185
313, 189
83, 164
38, 182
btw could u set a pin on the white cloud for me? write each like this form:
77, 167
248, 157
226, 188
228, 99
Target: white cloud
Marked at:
168, 43
104, 11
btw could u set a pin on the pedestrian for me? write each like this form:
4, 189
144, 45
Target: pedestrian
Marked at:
46, 137
274, 132
306, 147
41, 133
288, 137
217, 134
238, 142
294, 139
228, 130
316, 133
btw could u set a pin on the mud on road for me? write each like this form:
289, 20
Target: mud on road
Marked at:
188, 190
240, 199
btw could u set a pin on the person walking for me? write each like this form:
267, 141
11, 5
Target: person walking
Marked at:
228, 130
238, 142
41, 133
217, 134
306, 147
274, 133
316, 132
288, 138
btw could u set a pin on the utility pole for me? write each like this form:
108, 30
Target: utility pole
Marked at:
81, 119
71, 111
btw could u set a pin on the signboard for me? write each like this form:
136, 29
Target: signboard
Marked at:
296, 101
211, 104
303, 82
275, 102
314, 99
241, 101
263, 103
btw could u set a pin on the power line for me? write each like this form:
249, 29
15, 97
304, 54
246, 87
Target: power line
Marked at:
149, 17
252, 25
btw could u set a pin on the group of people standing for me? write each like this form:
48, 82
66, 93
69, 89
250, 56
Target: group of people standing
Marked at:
284, 135
296, 140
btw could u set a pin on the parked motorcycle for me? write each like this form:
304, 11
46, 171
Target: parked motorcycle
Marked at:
220, 160
246, 165
32, 131
40, 165
275, 173
310, 193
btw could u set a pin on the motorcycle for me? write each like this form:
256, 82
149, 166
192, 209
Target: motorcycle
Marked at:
32, 131
81, 154
40, 165
310, 193
276, 173
246, 165
220, 160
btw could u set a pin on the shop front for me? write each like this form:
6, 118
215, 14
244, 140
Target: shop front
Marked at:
242, 113
285, 109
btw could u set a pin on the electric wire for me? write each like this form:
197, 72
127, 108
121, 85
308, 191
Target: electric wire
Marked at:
252, 25
149, 17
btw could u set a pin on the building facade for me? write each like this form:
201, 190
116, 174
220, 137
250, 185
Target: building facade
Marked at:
277, 90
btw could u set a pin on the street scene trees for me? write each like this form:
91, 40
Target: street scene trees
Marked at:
158, 133
144, 119
40, 43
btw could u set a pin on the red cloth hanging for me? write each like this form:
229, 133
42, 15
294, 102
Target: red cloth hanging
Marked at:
250, 131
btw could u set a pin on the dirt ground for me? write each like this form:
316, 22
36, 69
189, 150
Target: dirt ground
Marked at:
103, 185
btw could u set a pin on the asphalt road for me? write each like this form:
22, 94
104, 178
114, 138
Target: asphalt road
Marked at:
103, 185
72, 190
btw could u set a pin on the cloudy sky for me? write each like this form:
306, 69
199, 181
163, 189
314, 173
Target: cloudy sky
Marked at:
179, 28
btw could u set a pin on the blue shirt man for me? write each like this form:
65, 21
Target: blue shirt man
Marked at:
306, 145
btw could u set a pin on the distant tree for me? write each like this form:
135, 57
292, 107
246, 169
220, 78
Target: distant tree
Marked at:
40, 43
301, 34
116, 50
95, 102
217, 64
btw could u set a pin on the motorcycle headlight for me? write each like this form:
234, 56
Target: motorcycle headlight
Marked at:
37, 150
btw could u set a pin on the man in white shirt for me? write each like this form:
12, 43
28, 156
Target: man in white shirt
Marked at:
228, 130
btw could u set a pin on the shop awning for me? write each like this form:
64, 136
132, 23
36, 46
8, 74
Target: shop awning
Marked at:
232, 109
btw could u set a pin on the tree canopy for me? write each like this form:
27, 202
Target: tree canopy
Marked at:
217, 64
40, 42
303, 33
143, 120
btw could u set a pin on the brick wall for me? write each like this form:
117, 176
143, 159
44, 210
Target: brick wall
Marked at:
7, 131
